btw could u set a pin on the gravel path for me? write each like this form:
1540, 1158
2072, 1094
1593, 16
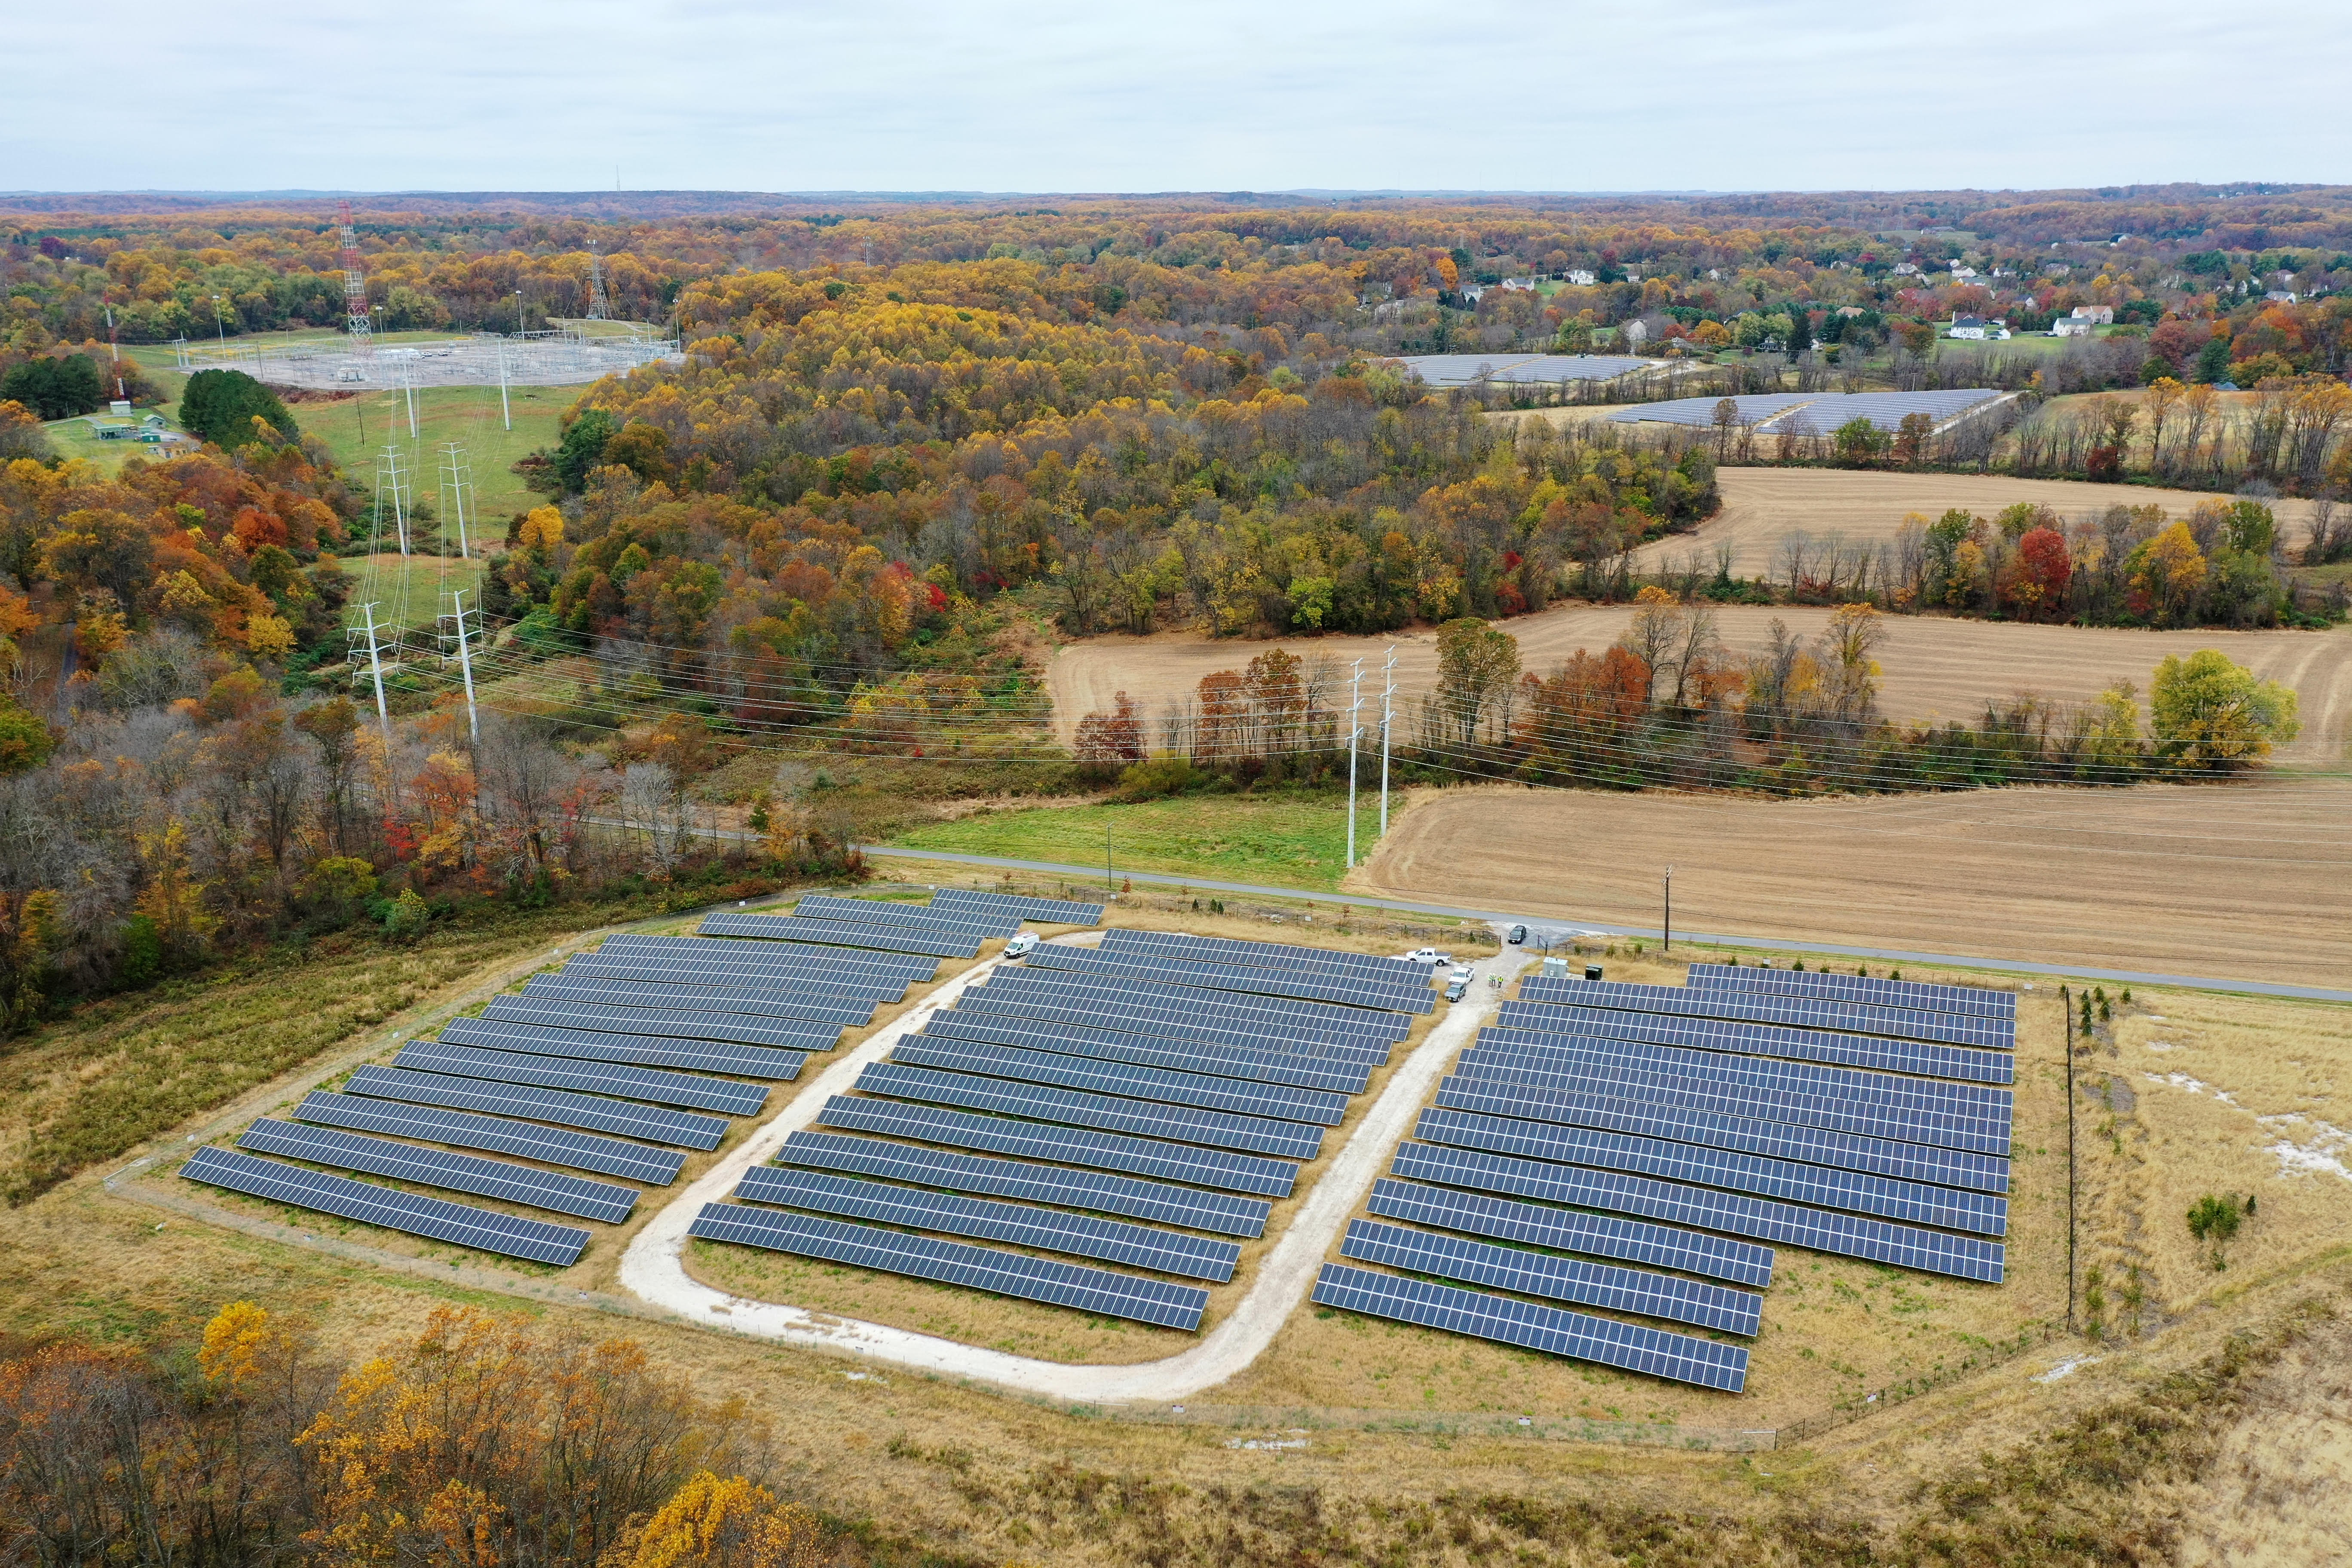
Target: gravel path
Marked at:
653, 1271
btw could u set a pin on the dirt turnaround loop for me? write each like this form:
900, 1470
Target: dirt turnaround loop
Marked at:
2244, 879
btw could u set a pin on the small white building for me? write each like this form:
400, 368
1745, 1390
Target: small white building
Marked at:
2282, 296
2069, 327
1582, 278
1970, 327
2098, 315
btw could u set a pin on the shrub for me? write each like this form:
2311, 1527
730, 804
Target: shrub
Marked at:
1159, 777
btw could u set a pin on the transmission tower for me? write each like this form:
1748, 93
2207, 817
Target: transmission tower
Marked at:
355, 305
599, 307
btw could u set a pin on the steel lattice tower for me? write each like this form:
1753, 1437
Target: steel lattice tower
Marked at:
599, 307
355, 305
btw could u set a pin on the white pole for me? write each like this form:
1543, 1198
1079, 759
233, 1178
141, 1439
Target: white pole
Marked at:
1355, 729
408, 384
465, 663
505, 412
375, 663
1386, 712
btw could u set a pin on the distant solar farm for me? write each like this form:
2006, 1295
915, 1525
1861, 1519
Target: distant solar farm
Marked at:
1521, 369
1605, 1174
1814, 413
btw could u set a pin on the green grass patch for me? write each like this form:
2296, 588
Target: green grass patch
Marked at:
357, 430
407, 591
1284, 841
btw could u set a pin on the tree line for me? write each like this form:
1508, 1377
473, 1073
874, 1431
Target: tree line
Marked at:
479, 1441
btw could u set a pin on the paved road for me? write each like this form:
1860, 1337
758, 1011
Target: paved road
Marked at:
653, 1271
1088, 874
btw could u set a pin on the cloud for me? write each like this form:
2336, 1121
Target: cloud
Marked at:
1219, 94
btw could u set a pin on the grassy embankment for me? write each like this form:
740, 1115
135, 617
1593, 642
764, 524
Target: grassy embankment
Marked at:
1284, 841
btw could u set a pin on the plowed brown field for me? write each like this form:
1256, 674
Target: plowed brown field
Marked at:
1763, 506
2252, 880
1944, 668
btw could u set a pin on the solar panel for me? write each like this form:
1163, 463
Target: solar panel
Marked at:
1961, 1063
1101, 1290
1465, 369
1218, 1130
1849, 1235
784, 928
1098, 1007
694, 1056
1151, 1050
1267, 955
1217, 977
1946, 1028
440, 1168
548, 1145
681, 1128
1683, 1357
1973, 1000
1035, 1140
761, 1002
923, 917
1555, 1279
1831, 411
460, 1224
1045, 911
791, 1035
722, 1095
1915, 1202
1310, 1019
1568, 1230
1209, 1093
786, 960
739, 979
1752, 408
1926, 1096
1623, 1108
1540, 1092
1016, 1225
1160, 1201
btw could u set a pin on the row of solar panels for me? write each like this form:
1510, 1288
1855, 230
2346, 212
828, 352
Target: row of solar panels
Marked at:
1821, 412
591, 1063
1170, 1065
1672, 1128
1743, 1005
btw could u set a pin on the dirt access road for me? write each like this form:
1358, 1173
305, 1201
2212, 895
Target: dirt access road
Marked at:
1934, 667
652, 1270
2251, 879
1763, 506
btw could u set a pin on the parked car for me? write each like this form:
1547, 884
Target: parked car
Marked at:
1456, 987
1022, 944
1428, 956
1461, 972
1518, 935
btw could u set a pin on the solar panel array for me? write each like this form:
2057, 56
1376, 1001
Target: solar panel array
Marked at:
1466, 370
1681, 1133
1887, 410
615, 1063
462, 1224
1137, 1121
810, 933
1045, 911
1820, 412
1917, 993
926, 917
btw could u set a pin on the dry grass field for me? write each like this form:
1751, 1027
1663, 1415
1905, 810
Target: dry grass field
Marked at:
1934, 667
1763, 506
2246, 881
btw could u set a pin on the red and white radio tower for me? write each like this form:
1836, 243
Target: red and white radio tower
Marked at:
355, 305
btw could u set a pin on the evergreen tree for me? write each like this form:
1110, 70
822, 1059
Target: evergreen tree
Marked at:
220, 406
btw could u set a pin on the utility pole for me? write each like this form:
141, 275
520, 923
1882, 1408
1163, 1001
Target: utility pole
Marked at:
1355, 729
466, 664
1107, 880
375, 666
1670, 908
2066, 1005
356, 323
506, 413
388, 473
1387, 711
453, 463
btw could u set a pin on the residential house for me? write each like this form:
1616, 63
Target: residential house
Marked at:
2069, 327
1971, 327
2282, 296
2099, 315
1582, 278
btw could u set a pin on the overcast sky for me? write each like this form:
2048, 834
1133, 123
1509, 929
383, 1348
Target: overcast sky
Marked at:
1053, 95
